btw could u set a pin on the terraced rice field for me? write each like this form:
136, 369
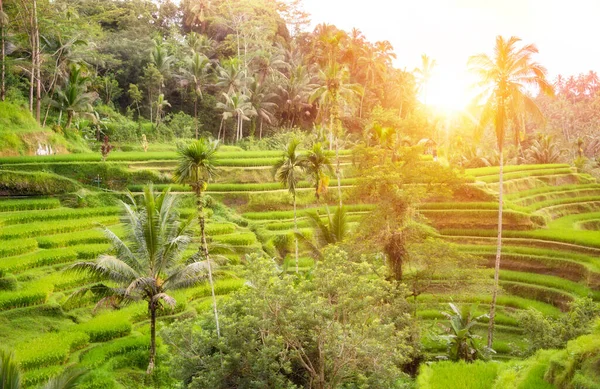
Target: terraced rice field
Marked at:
551, 250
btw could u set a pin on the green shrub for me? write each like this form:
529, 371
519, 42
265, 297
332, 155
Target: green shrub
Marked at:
37, 183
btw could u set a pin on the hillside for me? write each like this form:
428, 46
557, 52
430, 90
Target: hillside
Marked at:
550, 253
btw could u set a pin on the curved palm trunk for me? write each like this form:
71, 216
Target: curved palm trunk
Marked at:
2, 58
152, 309
295, 231
490, 338
338, 171
196, 115
204, 252
69, 119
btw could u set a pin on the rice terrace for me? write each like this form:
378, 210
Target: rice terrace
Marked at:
238, 194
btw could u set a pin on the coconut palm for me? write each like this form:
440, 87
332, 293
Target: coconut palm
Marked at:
196, 167
197, 74
505, 77
318, 164
261, 101
334, 91
161, 104
73, 97
287, 171
148, 263
236, 105
545, 150
332, 231
424, 73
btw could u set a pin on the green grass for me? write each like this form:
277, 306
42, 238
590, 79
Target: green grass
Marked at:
35, 183
98, 355
76, 238
20, 247
107, 326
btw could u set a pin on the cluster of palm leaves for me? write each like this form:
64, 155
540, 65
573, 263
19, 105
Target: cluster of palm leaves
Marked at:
10, 375
72, 96
462, 343
544, 149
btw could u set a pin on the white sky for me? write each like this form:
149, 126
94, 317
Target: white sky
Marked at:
566, 32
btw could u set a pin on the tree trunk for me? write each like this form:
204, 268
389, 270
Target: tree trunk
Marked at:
152, 309
338, 171
260, 129
69, 119
2, 58
150, 102
196, 115
38, 65
295, 230
490, 338
204, 253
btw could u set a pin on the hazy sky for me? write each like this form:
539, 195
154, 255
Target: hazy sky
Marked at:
567, 32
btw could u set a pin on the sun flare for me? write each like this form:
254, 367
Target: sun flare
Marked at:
447, 90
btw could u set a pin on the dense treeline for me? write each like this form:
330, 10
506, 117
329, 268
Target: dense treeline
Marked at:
231, 69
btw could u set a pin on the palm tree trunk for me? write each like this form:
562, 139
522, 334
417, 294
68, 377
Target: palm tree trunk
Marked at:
2, 58
295, 230
260, 129
152, 309
490, 338
38, 65
338, 171
69, 119
196, 115
204, 253
150, 102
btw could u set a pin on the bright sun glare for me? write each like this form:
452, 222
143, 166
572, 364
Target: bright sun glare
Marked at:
447, 90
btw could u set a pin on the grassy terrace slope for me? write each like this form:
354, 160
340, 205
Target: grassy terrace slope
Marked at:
550, 256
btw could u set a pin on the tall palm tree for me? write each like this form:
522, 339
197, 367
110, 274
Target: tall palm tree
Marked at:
334, 91
148, 263
294, 92
318, 164
424, 73
230, 77
236, 105
261, 101
196, 167
73, 97
506, 76
161, 58
197, 74
287, 171
161, 104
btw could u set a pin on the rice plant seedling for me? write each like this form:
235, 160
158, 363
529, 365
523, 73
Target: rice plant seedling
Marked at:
49, 349
29, 204
16, 248
458, 375
100, 354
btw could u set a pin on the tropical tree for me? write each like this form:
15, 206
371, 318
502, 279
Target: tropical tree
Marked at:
331, 231
162, 60
318, 164
334, 90
161, 104
261, 102
236, 105
288, 171
294, 92
197, 74
147, 264
462, 343
196, 167
506, 77
545, 150
73, 97
424, 73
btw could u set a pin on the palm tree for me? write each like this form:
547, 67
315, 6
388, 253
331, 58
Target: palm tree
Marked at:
333, 231
506, 76
3, 26
196, 167
424, 74
148, 263
230, 76
260, 100
197, 74
317, 164
73, 97
545, 150
162, 60
333, 91
236, 105
287, 171
161, 104
10, 376
294, 92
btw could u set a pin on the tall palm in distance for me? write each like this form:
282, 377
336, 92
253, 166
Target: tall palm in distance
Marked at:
196, 167
197, 74
288, 171
506, 76
424, 73
148, 263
